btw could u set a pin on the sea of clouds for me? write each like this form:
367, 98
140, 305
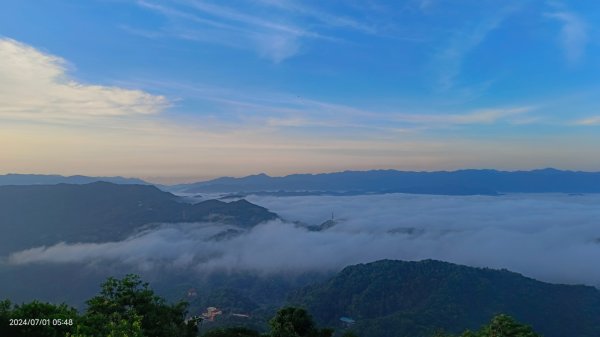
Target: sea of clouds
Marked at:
550, 237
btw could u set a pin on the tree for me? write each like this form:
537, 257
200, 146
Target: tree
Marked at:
500, 326
5, 313
440, 333
123, 303
295, 322
50, 320
232, 332
126, 328
349, 334
506, 326
469, 333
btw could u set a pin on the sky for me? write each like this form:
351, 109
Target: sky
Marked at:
183, 90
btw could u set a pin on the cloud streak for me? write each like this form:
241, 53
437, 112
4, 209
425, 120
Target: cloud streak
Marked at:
323, 17
483, 116
272, 39
549, 237
590, 121
449, 60
277, 109
573, 34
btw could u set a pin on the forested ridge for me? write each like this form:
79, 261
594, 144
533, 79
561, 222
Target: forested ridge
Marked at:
399, 298
128, 307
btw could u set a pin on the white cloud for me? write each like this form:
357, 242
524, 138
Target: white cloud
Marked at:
549, 237
36, 86
573, 35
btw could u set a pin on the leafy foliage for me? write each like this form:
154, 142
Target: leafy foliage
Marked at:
295, 322
124, 308
5, 315
500, 326
131, 300
232, 332
349, 334
506, 326
36, 310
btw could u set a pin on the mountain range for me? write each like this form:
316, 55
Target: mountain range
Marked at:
462, 182
50, 179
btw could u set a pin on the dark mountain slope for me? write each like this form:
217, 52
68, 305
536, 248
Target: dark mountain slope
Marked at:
46, 214
463, 182
395, 298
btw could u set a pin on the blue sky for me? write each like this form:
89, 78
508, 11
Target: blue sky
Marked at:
189, 89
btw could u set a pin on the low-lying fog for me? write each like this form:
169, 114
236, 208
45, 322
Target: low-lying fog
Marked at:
549, 237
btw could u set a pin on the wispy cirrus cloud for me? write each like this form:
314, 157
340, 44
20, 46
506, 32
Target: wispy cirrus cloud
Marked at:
573, 34
483, 116
321, 16
449, 60
274, 29
279, 110
268, 36
589, 121
231, 15
36, 86
172, 12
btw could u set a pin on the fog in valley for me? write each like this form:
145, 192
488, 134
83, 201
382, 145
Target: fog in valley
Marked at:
550, 237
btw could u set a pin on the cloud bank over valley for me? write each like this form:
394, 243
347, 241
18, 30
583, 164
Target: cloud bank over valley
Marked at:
550, 237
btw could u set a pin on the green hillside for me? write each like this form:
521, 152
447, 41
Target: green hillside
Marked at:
395, 299
47, 214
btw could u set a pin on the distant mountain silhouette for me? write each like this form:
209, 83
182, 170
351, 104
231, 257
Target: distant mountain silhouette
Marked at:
401, 299
50, 179
462, 182
47, 214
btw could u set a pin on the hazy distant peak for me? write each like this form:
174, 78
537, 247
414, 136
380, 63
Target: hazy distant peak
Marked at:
460, 182
51, 179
